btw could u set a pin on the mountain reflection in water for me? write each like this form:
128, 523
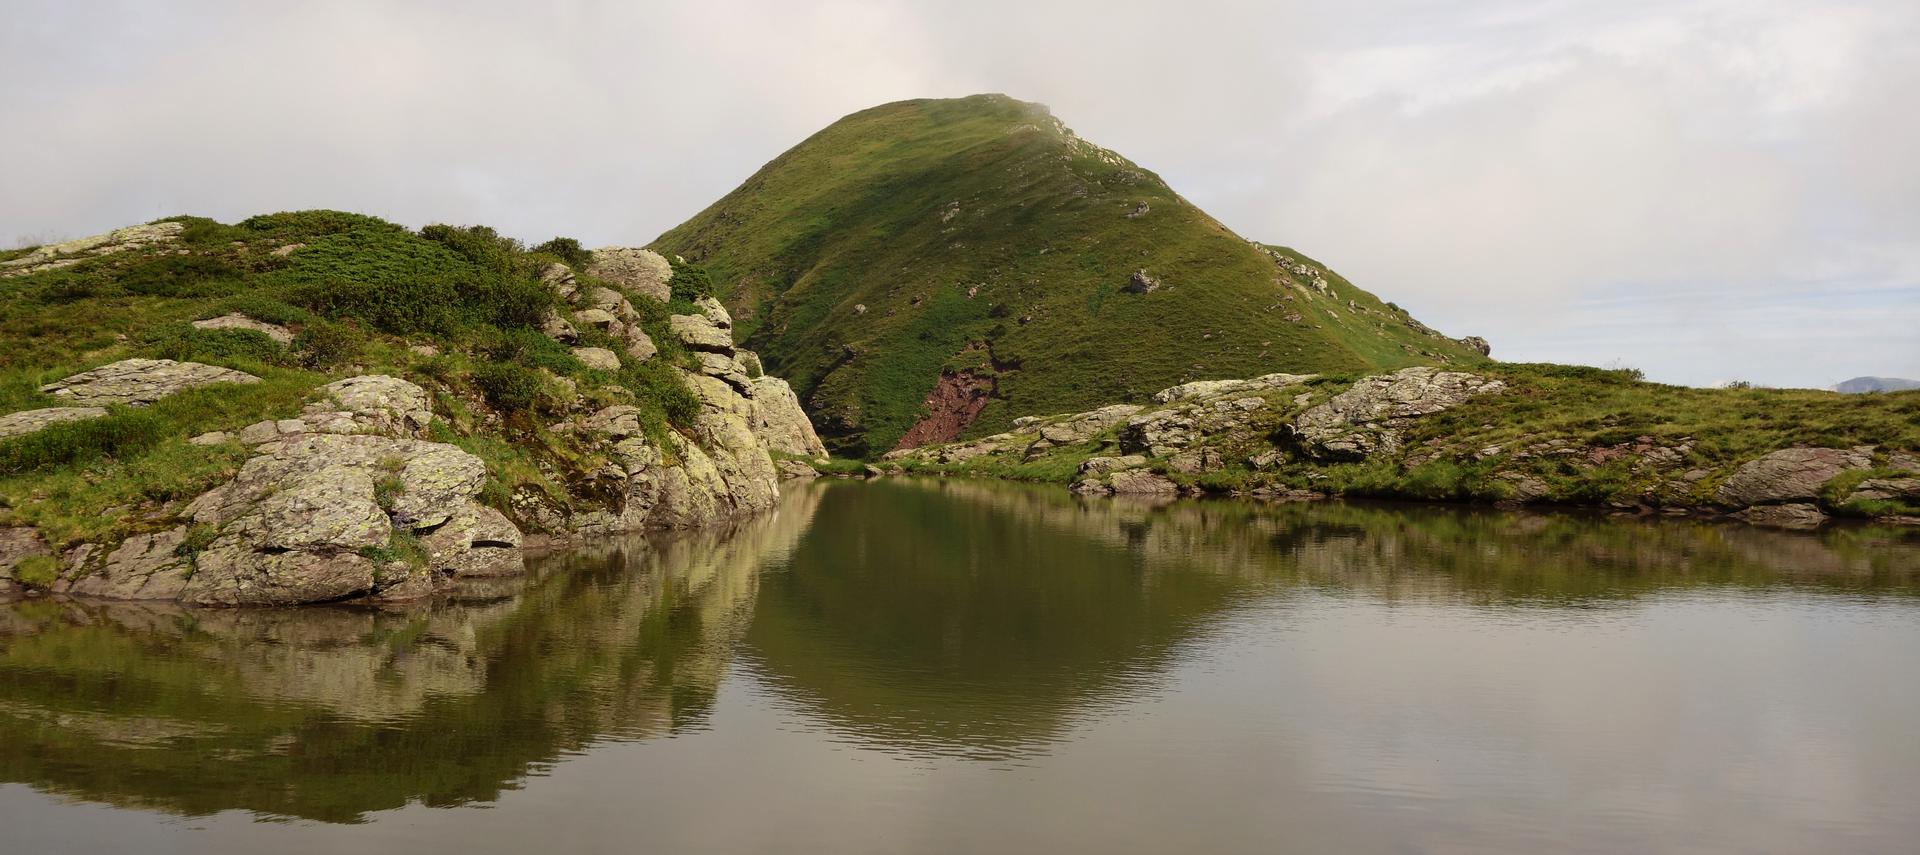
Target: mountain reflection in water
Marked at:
941, 622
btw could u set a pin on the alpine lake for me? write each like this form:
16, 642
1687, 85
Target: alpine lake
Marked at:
909, 665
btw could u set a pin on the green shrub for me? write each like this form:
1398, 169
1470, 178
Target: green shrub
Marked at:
119, 434
566, 249
180, 276
690, 281
509, 387
36, 571
531, 348
261, 307
186, 343
652, 382
325, 343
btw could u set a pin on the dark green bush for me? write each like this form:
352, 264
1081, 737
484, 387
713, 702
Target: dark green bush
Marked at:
566, 249
325, 343
262, 308
531, 348
119, 434
690, 281
185, 343
179, 276
479, 244
653, 382
509, 387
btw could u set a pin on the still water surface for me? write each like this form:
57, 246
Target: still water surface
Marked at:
909, 666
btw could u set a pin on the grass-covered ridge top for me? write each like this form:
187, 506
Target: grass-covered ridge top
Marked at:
456, 310
908, 238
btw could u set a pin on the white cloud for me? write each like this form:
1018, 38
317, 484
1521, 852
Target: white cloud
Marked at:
1536, 171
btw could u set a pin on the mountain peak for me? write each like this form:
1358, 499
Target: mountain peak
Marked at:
938, 267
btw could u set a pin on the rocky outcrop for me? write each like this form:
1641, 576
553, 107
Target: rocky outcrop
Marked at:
780, 422
1216, 388
1368, 417
29, 421
324, 511
56, 256
598, 358
642, 271
1789, 475
697, 332
237, 321
137, 382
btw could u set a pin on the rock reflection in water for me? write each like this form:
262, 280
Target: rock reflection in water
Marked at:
330, 713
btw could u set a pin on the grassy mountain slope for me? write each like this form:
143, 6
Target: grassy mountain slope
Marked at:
980, 238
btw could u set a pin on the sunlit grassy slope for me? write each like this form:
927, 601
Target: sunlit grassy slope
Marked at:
981, 234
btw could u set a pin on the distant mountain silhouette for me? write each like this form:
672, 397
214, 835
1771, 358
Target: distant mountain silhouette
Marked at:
1876, 384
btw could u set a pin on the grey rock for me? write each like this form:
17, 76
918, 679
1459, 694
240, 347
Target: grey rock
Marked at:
1141, 283
779, 421
1789, 475
1478, 344
55, 256
1886, 489
1215, 388
1104, 465
137, 382
642, 271
237, 321
1368, 417
699, 333
1141, 482
639, 345
559, 328
218, 437
143, 567
715, 312
598, 358
29, 421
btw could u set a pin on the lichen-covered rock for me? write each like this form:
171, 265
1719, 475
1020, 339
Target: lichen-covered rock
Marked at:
598, 358
1216, 388
699, 333
724, 368
558, 328
18, 543
477, 541
642, 271
613, 303
796, 470
639, 345
372, 403
602, 320
1368, 417
1078, 427
138, 382
29, 421
713, 311
55, 256
143, 567
237, 321
1103, 465
1789, 475
780, 422
1886, 489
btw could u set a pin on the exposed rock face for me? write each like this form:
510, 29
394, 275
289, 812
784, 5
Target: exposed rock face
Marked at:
1141, 282
698, 332
1789, 475
28, 421
956, 400
313, 516
1886, 489
1141, 482
1368, 417
237, 321
598, 358
16, 543
779, 420
640, 346
137, 382
642, 270
55, 256
1163, 432
1215, 388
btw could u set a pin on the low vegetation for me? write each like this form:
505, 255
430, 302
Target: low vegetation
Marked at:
455, 309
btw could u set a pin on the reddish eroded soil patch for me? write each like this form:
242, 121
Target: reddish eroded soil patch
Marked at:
952, 405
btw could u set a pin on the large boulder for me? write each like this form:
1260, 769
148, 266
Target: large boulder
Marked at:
1369, 417
642, 271
1789, 475
138, 382
698, 332
1078, 427
315, 514
780, 422
29, 421
237, 321
1216, 388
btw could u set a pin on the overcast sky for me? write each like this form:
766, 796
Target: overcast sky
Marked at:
1703, 190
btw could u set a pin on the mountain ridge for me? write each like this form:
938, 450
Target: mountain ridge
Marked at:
951, 264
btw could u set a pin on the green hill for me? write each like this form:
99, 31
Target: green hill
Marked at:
976, 251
